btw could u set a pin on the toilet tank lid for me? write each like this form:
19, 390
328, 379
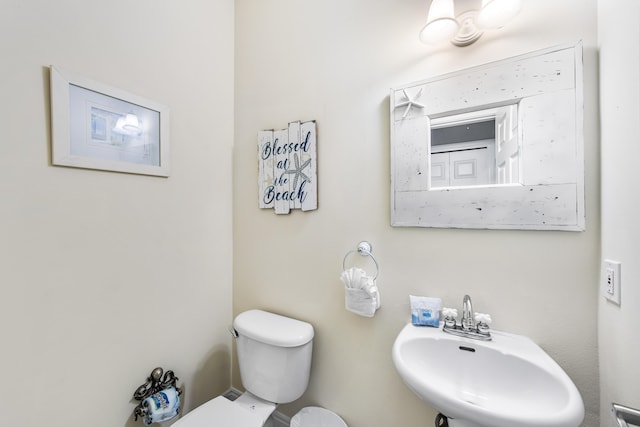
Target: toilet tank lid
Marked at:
273, 329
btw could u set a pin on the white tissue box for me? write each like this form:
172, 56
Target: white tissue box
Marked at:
360, 302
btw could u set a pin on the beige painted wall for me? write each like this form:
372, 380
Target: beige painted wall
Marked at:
335, 61
619, 350
105, 276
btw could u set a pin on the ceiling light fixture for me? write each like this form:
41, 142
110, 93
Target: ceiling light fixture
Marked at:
466, 27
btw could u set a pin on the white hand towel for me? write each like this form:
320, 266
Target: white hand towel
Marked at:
361, 293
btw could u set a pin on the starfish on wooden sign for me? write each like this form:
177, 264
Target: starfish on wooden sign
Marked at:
298, 171
410, 102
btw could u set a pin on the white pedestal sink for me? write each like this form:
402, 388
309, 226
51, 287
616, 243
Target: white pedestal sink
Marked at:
507, 382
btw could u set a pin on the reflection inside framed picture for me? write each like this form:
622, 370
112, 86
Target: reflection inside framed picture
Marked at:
99, 127
113, 129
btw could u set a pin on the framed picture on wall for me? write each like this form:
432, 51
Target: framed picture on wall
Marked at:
95, 126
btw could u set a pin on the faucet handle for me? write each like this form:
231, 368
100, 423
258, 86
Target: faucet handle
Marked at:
450, 315
449, 312
483, 318
482, 322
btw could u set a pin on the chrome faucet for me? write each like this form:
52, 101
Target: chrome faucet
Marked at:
473, 325
468, 322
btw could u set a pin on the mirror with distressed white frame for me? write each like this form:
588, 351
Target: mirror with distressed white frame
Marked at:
497, 146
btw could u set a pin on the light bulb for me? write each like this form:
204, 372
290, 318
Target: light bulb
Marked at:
441, 25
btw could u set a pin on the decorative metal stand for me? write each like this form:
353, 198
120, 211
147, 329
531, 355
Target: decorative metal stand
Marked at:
155, 383
441, 421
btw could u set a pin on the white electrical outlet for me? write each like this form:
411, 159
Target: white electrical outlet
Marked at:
611, 280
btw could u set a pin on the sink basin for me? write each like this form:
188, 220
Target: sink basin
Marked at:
507, 382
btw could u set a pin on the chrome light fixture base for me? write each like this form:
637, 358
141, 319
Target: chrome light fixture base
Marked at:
468, 31
468, 26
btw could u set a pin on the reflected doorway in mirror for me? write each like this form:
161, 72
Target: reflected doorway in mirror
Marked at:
477, 148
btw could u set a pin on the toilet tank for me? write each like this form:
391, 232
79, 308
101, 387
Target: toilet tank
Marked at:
274, 355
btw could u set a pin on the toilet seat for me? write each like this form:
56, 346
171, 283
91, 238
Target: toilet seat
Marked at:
314, 416
220, 412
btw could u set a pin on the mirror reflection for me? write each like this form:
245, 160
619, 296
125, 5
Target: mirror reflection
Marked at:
479, 148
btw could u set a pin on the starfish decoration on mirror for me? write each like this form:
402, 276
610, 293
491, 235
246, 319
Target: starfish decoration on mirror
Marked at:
297, 172
410, 102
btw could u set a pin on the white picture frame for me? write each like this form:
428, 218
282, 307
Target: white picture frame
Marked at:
96, 126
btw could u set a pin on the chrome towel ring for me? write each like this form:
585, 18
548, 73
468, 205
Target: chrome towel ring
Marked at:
364, 249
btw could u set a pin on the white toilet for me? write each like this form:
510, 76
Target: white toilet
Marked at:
274, 355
